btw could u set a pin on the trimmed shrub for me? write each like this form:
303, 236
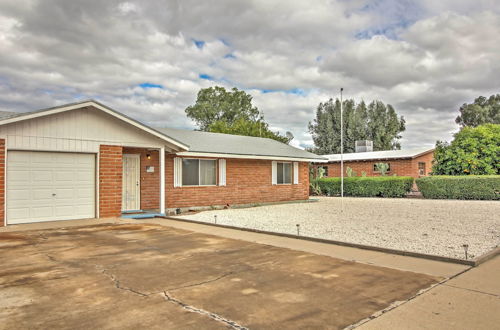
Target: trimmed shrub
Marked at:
460, 187
393, 186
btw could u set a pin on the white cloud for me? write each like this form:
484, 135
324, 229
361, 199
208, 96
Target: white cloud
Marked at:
426, 58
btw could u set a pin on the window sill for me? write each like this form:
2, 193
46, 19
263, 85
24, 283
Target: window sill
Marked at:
198, 186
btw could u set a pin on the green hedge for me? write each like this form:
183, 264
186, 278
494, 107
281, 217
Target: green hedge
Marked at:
460, 187
383, 186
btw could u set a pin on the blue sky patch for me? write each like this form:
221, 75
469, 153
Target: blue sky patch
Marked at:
205, 76
229, 56
150, 85
199, 43
295, 91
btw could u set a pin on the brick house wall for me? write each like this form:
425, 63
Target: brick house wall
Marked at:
247, 181
110, 181
2, 182
400, 167
150, 181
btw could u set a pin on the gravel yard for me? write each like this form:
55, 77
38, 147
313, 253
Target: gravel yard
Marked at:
438, 227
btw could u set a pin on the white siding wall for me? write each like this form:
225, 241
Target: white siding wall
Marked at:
81, 130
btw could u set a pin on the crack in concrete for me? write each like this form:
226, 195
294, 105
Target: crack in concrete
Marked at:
118, 286
168, 297
211, 315
473, 290
201, 283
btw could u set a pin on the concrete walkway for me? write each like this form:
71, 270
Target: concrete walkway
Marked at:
468, 301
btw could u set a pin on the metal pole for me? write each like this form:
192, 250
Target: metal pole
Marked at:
341, 154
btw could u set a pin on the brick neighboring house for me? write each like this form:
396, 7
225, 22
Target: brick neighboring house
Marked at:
411, 162
85, 160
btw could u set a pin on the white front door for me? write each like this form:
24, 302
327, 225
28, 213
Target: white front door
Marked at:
48, 186
131, 188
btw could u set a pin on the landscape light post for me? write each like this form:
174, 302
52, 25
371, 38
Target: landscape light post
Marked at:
341, 154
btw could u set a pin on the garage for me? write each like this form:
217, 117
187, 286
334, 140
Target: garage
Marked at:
49, 186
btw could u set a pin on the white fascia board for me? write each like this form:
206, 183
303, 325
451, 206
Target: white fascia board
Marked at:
102, 108
208, 154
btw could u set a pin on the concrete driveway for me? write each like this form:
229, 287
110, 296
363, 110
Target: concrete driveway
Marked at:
151, 276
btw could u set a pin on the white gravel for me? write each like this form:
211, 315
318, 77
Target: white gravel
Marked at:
438, 227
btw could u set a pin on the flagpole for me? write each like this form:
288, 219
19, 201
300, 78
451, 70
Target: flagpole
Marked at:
341, 154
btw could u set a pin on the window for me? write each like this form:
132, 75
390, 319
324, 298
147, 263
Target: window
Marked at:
284, 173
421, 168
376, 169
198, 172
325, 171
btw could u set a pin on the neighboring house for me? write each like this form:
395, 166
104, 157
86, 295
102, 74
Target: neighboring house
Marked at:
410, 162
85, 160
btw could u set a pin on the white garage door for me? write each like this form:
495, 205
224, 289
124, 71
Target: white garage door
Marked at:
48, 186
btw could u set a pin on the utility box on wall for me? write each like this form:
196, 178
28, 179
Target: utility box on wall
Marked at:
150, 169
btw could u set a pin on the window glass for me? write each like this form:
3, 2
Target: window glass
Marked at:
284, 173
421, 168
207, 172
190, 172
280, 173
287, 173
325, 170
376, 169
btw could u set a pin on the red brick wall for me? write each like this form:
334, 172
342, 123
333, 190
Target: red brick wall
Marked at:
400, 167
247, 181
2, 182
427, 159
150, 182
110, 181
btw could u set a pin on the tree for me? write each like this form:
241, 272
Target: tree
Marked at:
474, 150
220, 111
249, 128
482, 111
217, 104
377, 122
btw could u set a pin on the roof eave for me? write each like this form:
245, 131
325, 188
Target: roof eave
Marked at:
95, 104
248, 156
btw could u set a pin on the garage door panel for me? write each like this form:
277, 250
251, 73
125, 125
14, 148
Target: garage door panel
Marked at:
64, 211
19, 213
64, 194
39, 176
47, 186
21, 195
67, 175
41, 211
18, 176
40, 195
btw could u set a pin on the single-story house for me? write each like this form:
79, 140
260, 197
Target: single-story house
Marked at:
85, 160
410, 162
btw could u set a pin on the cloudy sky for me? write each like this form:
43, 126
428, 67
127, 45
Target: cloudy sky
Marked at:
148, 59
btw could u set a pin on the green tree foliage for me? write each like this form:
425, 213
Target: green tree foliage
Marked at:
482, 111
247, 127
217, 104
377, 122
220, 111
474, 150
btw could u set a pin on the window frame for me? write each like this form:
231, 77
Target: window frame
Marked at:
324, 167
377, 171
199, 173
424, 169
291, 173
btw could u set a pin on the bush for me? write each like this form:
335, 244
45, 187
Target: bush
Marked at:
474, 151
393, 186
460, 187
